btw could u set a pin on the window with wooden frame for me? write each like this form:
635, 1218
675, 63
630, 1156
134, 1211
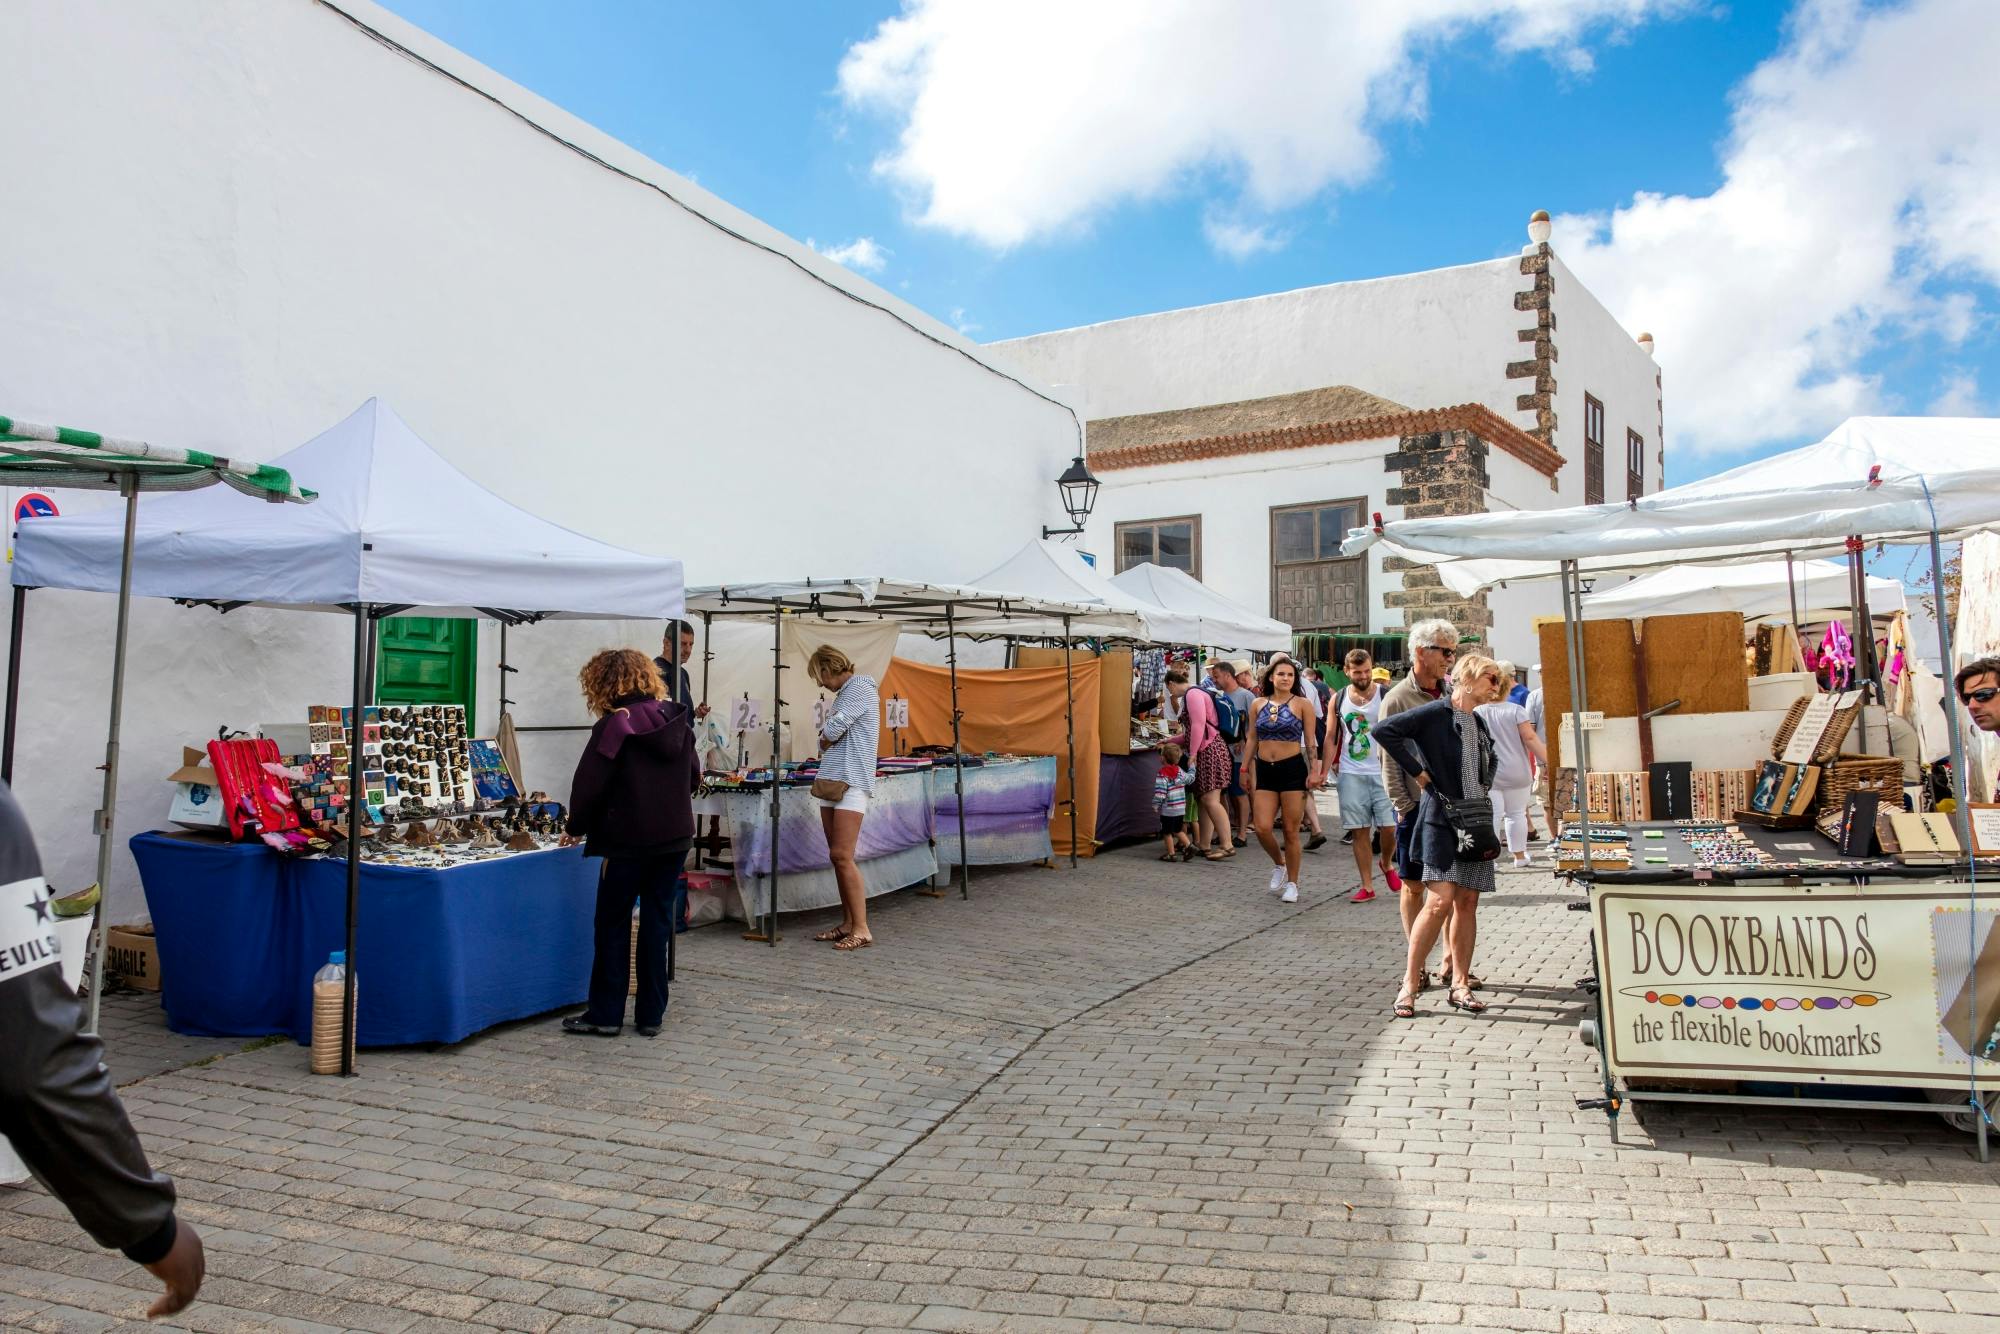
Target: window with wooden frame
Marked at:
1175, 543
1313, 587
1593, 451
1635, 465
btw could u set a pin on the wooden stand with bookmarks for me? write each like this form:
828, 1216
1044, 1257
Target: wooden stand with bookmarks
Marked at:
1857, 824
1670, 790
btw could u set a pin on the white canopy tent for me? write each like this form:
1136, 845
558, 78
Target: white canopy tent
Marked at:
1763, 589
1889, 479
394, 526
1048, 570
1893, 479
1221, 623
395, 530
943, 611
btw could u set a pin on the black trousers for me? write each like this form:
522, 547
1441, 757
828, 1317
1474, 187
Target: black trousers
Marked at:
650, 881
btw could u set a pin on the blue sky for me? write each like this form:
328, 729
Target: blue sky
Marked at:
1697, 103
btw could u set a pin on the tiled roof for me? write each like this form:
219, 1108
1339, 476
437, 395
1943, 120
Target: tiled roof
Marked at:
1481, 420
1329, 404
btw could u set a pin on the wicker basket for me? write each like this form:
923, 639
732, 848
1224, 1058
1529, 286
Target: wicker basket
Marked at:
1884, 776
1830, 741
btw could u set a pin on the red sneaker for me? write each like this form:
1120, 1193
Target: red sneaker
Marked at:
1395, 881
1363, 896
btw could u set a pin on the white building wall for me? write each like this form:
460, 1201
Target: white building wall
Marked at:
235, 221
1424, 340
1596, 355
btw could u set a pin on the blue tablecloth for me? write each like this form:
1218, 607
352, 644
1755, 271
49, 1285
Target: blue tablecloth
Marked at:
441, 953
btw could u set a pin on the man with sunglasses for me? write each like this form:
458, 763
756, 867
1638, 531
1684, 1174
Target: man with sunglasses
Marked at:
1433, 646
1978, 687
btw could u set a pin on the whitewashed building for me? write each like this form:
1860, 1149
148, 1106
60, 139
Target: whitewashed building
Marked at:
1239, 441
236, 221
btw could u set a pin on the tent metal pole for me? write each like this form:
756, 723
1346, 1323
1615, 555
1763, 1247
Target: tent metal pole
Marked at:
777, 766
504, 669
1792, 587
1069, 725
107, 816
357, 799
957, 750
1961, 783
1864, 635
13, 683
1580, 760
707, 652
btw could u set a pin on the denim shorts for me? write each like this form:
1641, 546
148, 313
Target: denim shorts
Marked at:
1364, 802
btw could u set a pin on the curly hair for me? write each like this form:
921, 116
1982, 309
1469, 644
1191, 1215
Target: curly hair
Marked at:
619, 673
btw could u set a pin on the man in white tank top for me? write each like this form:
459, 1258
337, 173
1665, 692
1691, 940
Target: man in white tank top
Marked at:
1365, 807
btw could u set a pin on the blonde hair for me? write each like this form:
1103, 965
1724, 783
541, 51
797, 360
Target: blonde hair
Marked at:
1170, 753
826, 660
1471, 667
619, 673
1508, 674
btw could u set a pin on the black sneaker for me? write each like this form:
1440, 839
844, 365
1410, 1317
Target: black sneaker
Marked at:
1348, 838
1316, 842
576, 1023
646, 1030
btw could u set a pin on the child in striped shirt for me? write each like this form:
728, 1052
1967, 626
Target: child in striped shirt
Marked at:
1170, 789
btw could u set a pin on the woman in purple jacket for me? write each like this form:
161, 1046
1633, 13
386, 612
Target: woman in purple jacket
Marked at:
632, 803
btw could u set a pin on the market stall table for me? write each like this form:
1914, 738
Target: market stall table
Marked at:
1008, 805
450, 950
895, 848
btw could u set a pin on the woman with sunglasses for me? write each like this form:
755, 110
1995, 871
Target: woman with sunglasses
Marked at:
1447, 753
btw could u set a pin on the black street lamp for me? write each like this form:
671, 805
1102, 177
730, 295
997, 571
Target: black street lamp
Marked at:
1079, 493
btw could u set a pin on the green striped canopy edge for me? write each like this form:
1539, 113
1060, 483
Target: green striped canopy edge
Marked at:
64, 456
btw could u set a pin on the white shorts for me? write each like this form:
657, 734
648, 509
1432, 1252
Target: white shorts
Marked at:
854, 799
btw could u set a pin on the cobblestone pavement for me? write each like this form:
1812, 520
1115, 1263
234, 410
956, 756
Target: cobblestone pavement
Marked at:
1133, 1094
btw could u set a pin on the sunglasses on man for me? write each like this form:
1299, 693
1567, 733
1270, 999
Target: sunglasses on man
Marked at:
1979, 696
1448, 652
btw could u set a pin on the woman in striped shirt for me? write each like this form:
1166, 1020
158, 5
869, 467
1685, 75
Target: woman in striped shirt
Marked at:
848, 740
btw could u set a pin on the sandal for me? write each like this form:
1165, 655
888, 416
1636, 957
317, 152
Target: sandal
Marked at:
1461, 998
833, 933
1406, 1006
851, 941
1474, 982
1219, 855
1170, 856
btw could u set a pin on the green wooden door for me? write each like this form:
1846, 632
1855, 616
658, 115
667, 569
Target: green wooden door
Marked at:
427, 660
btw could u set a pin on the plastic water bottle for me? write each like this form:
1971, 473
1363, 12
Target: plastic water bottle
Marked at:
329, 996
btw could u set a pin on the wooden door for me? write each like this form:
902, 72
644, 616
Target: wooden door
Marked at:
427, 660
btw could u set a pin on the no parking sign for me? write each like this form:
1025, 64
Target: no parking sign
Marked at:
34, 505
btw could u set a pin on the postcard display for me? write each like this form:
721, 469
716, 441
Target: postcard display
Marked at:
416, 761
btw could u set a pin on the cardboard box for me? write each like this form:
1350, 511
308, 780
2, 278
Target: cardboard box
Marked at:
131, 953
197, 793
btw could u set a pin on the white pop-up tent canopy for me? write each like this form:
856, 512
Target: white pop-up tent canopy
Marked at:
1222, 623
1895, 479
1762, 589
395, 530
1048, 570
394, 526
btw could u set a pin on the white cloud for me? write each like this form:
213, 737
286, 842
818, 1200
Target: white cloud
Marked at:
963, 324
1024, 119
1958, 396
1860, 205
861, 254
1241, 241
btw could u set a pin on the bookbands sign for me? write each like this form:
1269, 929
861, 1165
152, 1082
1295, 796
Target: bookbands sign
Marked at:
1826, 985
